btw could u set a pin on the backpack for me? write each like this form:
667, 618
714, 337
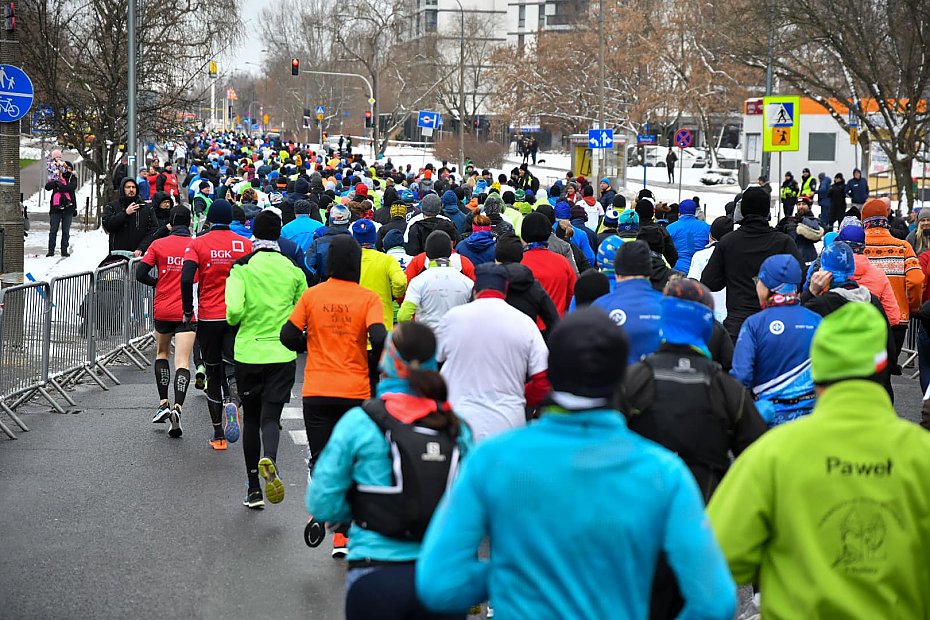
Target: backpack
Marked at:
424, 461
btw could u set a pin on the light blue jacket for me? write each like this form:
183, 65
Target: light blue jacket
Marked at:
577, 509
300, 230
689, 235
357, 453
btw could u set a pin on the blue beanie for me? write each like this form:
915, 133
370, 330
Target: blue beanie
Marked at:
364, 232
838, 259
563, 211
449, 199
605, 180
220, 212
607, 253
687, 207
393, 239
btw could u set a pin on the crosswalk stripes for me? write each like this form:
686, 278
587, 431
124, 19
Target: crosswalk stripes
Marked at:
292, 413
299, 437
295, 411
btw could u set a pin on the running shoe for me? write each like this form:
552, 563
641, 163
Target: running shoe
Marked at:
231, 414
175, 430
274, 488
314, 533
200, 378
162, 414
218, 443
340, 546
253, 499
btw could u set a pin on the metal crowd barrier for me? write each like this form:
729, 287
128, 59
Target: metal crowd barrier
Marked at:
54, 334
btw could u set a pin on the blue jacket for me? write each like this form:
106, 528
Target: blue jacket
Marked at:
243, 230
772, 359
315, 256
358, 453
300, 230
646, 502
823, 194
145, 189
479, 247
636, 307
450, 208
858, 190
689, 235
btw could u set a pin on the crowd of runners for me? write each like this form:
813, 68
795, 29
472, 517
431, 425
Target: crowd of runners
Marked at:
557, 402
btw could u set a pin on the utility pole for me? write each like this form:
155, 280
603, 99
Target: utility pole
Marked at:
767, 157
461, 92
601, 163
131, 93
11, 210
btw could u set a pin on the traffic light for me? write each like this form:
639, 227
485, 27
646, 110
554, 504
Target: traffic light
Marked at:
295, 66
213, 70
9, 16
368, 119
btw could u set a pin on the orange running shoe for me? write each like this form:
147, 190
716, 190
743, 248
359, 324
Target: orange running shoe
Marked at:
340, 546
218, 443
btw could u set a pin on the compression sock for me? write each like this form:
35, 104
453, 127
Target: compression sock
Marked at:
182, 378
162, 378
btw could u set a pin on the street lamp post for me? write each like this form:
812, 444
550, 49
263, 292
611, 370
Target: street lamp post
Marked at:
131, 92
462, 92
602, 165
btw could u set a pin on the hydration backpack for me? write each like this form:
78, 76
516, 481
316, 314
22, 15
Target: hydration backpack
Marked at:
424, 461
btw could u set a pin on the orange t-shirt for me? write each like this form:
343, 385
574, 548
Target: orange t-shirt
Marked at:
337, 315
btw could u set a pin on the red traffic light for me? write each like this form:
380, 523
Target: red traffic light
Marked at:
367, 118
295, 66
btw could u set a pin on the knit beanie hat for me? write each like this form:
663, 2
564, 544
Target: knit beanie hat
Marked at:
585, 367
301, 207
180, 216
547, 211
449, 199
267, 226
519, 196
301, 186
535, 228
633, 259
646, 209
220, 212
509, 249
563, 210
618, 202
852, 233
838, 259
490, 276
492, 206
849, 344
398, 209
431, 204
438, 245
611, 217
781, 273
606, 253
721, 227
687, 207
590, 285
364, 232
755, 201
850, 220
392, 239
692, 290
875, 213
340, 215
578, 213
923, 213
524, 207
628, 220
361, 190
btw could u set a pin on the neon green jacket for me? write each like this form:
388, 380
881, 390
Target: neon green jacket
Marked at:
831, 513
382, 274
512, 215
260, 296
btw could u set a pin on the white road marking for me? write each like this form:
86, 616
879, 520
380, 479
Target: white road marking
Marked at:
292, 413
299, 437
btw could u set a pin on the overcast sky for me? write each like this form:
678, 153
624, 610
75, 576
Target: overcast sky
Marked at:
249, 47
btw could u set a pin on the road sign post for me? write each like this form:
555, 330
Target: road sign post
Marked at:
16, 95
644, 140
683, 139
781, 126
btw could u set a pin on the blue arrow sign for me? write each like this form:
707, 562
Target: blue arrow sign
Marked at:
320, 109
601, 138
428, 120
15, 93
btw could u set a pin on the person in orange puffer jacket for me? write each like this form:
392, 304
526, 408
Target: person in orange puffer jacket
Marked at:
897, 259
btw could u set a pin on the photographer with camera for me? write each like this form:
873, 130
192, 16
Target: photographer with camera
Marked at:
62, 207
129, 221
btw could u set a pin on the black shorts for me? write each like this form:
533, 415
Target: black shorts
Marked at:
271, 383
174, 327
216, 340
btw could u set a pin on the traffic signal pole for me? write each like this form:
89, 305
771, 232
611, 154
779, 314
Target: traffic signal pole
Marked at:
11, 209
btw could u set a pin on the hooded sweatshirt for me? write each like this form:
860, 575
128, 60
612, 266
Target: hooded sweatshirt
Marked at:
450, 208
478, 247
526, 294
129, 232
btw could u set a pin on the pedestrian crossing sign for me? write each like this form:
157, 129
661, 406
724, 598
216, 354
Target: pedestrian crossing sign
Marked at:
781, 124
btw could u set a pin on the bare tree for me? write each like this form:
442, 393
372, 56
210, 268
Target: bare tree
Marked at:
78, 59
872, 56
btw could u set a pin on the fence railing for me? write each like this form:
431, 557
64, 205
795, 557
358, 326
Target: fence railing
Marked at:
55, 334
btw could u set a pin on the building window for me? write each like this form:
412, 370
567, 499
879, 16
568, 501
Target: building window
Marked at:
754, 147
821, 147
520, 43
431, 20
542, 16
521, 16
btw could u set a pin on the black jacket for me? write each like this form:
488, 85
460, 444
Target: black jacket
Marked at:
736, 261
837, 196
67, 187
392, 224
421, 229
659, 241
129, 232
527, 295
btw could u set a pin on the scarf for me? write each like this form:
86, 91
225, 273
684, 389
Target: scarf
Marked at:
782, 299
537, 245
265, 244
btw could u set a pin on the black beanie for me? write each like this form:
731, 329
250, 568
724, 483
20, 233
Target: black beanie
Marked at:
548, 211
618, 202
536, 228
755, 202
220, 212
646, 210
344, 258
509, 249
585, 366
590, 285
180, 216
721, 227
267, 226
508, 197
438, 245
633, 259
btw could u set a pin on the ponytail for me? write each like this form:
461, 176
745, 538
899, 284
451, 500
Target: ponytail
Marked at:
430, 384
